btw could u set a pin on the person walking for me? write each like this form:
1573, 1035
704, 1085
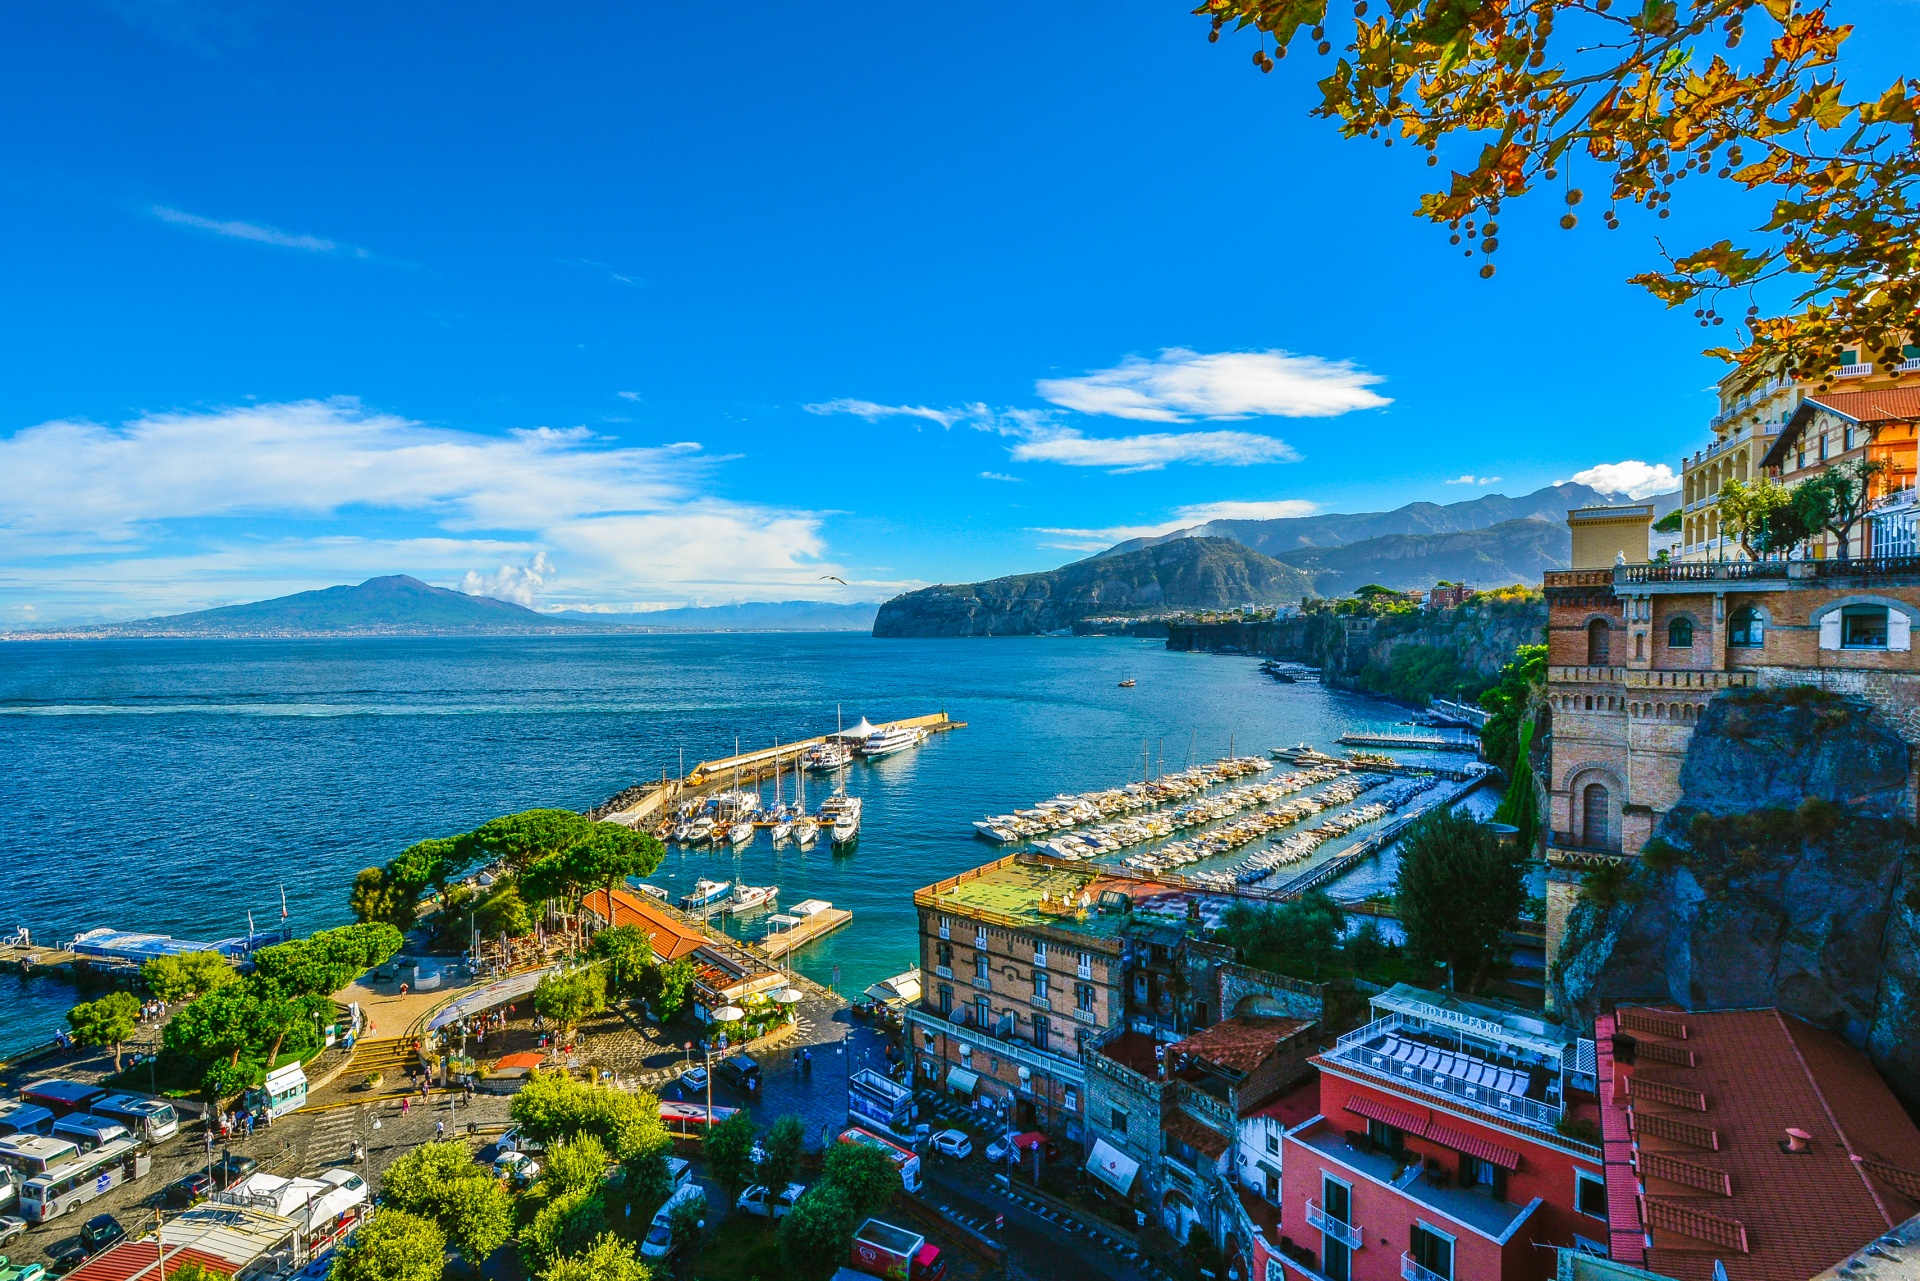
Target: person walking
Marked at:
439, 1130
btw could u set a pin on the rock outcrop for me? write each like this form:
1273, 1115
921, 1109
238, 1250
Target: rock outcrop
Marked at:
1192, 573
1782, 878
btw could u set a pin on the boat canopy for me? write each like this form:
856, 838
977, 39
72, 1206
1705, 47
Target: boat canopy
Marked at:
864, 730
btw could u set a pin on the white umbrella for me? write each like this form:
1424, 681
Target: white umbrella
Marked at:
787, 996
729, 1014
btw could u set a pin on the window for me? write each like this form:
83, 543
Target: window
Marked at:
1599, 642
1273, 1142
1083, 997
1863, 627
1389, 1138
1749, 629
984, 1008
1431, 1250
1589, 1194
1040, 984
1486, 1174
1593, 815
946, 926
1680, 634
980, 937
1040, 954
1117, 1122
943, 953
1086, 965
980, 970
946, 1000
1042, 1032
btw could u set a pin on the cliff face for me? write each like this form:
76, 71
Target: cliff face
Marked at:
1474, 639
1192, 573
1781, 878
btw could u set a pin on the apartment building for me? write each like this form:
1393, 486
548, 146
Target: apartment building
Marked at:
1444, 1149
1754, 415
1747, 1145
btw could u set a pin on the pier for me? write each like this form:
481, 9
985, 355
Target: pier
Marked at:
1424, 742
780, 943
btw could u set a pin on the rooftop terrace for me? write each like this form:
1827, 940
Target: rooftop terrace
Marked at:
1473, 1206
1028, 892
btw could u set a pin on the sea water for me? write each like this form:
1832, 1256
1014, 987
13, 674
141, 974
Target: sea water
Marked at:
182, 787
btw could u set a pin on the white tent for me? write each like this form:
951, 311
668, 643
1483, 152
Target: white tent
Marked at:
864, 730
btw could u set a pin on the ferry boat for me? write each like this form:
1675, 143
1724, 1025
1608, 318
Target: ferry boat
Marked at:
705, 894
824, 758
888, 741
751, 898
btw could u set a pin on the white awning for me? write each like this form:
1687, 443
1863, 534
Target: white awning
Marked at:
962, 1081
865, 729
1112, 1167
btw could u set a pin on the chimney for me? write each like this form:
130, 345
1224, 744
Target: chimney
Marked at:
1798, 1140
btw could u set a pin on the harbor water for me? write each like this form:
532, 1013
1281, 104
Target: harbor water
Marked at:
177, 786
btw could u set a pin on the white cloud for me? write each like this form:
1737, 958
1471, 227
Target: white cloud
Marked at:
1154, 450
255, 232
994, 475
171, 509
520, 584
629, 395
1180, 386
873, 412
1633, 478
1188, 517
1468, 478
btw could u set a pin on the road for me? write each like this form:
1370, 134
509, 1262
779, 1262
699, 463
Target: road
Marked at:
1042, 1244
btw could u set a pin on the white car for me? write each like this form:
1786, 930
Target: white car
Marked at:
11, 1226
694, 1078
953, 1143
755, 1200
517, 1166
1003, 1149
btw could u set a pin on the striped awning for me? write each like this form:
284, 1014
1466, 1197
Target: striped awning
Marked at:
1473, 1145
1386, 1113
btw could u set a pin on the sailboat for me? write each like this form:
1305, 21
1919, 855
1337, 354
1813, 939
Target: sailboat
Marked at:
1126, 681
782, 825
805, 829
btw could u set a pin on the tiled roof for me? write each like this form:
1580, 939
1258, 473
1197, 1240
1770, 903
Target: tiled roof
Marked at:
1889, 404
1759, 1073
1196, 1135
1241, 1044
524, 1059
671, 939
124, 1260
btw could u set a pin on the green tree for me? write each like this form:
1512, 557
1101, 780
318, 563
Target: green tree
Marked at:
1517, 695
781, 1150
192, 1271
688, 1220
503, 911
1753, 511
1837, 499
1671, 522
568, 1224
477, 1214
552, 1105
108, 1021
817, 1233
323, 963
729, 1153
577, 1162
1520, 807
628, 951
1300, 937
607, 1259
865, 1174
612, 852
376, 897
418, 1180
440, 1181
393, 1245
183, 977
665, 987
525, 838
1458, 892
221, 1023
568, 998
224, 1080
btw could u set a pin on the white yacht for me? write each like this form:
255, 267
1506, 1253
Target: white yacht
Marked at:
842, 813
805, 831
888, 741
751, 898
741, 832
824, 758
705, 894
782, 828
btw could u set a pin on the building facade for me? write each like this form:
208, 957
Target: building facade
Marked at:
1441, 1149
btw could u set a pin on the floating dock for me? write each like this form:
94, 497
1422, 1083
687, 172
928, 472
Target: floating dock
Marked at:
780, 943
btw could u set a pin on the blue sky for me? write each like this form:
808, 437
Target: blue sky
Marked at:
607, 305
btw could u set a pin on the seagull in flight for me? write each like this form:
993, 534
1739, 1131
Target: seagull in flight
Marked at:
830, 577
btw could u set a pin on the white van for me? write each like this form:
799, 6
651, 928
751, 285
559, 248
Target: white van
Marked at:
659, 1243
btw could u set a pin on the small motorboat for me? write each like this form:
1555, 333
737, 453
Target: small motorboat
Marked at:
752, 898
705, 894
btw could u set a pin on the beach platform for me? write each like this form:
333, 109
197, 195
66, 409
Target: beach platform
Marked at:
781, 943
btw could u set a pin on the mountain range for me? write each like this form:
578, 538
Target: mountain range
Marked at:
1490, 541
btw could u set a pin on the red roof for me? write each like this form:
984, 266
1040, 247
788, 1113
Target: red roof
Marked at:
672, 939
1241, 1044
1472, 1144
1874, 408
1759, 1073
122, 1261
524, 1059
1196, 1135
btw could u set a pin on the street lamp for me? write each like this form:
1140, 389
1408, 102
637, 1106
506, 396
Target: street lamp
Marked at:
726, 1014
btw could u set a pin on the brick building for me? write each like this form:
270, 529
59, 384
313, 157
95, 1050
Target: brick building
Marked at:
1746, 1145
1441, 1149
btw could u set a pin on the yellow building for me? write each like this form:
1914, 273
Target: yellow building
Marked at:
1751, 417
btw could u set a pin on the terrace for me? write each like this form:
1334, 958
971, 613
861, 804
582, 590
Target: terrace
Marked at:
1471, 1206
1505, 1084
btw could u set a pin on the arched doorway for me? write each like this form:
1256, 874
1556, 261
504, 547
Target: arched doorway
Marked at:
1595, 830
1599, 642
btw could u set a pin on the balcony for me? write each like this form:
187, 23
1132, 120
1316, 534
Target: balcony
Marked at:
1397, 1051
1346, 1233
1085, 1016
1910, 364
1596, 675
1084, 970
1775, 573
1855, 371
1040, 1003
1411, 1271
1472, 1207
982, 982
944, 971
1040, 959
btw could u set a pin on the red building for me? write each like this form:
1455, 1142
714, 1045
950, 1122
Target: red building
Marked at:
1747, 1145
1438, 1152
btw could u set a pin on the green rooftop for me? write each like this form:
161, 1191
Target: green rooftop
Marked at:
1022, 894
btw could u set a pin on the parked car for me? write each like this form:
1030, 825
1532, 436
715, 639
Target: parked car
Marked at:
694, 1078
736, 1070
517, 1167
11, 1226
516, 1139
99, 1232
660, 1240
759, 1199
185, 1191
222, 1174
1003, 1149
953, 1143
68, 1257
21, 1271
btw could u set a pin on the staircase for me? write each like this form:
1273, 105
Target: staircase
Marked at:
391, 1055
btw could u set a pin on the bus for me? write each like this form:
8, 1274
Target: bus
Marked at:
152, 1119
29, 1154
25, 1118
62, 1097
904, 1161
50, 1195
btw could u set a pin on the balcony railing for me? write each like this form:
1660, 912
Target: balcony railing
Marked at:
1854, 371
1347, 1234
1411, 1271
1738, 570
944, 971
1352, 1050
1085, 1016
1041, 1003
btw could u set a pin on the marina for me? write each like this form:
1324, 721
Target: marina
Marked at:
1413, 742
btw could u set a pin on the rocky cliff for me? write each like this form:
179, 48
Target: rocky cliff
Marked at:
1781, 878
1193, 573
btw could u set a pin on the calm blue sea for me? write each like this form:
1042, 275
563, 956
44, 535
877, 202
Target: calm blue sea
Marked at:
176, 786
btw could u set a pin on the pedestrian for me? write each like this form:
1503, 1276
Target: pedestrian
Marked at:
269, 1116
249, 1125
439, 1130
405, 1100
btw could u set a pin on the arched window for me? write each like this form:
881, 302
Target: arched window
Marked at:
1680, 634
1599, 641
1749, 630
1593, 817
